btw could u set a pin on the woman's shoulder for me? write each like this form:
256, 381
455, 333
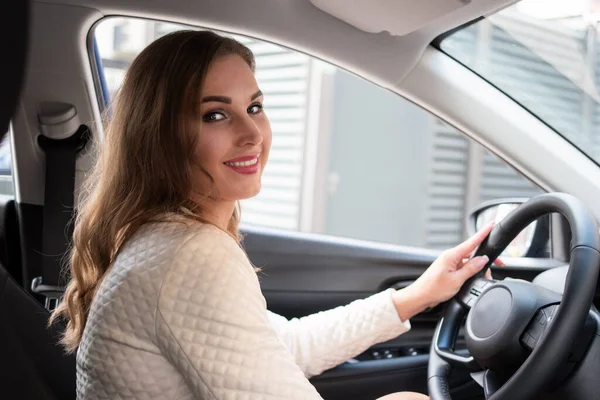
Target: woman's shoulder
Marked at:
168, 235
174, 239
171, 248
209, 246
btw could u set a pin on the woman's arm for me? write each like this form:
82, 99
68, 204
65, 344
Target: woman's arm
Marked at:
323, 340
326, 339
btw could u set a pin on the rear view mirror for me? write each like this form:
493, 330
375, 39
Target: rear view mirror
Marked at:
533, 241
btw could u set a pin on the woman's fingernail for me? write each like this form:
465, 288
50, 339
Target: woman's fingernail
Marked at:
484, 259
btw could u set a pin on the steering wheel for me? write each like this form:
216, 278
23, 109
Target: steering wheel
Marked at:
519, 335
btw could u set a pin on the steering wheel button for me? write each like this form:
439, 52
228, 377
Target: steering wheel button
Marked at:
528, 341
539, 316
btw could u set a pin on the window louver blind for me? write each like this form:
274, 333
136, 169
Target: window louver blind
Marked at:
446, 187
499, 180
558, 100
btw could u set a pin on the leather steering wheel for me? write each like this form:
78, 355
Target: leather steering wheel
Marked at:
519, 335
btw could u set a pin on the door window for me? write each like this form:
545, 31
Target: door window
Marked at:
348, 158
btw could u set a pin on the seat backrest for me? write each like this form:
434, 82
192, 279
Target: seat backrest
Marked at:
14, 38
10, 242
32, 363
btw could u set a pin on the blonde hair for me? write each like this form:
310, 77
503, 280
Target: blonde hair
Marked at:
144, 167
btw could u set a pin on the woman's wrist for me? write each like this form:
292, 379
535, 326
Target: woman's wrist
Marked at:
409, 302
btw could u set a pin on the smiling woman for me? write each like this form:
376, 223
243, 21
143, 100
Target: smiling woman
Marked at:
161, 156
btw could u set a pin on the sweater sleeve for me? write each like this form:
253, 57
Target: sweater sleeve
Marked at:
212, 326
323, 340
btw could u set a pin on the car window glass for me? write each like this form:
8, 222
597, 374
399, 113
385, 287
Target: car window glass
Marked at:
546, 56
348, 158
6, 178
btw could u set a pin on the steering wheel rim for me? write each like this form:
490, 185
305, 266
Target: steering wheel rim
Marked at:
550, 353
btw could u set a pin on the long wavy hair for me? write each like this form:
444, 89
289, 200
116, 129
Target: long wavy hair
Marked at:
145, 165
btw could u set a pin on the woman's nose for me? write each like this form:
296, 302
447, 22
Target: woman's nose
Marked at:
249, 132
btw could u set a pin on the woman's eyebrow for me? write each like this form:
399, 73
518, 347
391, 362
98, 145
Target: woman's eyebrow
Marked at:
256, 95
227, 100
218, 99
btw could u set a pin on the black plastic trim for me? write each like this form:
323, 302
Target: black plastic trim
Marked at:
365, 368
437, 42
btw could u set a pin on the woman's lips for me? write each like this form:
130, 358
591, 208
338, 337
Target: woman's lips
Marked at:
245, 165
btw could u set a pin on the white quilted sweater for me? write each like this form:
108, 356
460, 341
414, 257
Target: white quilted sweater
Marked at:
180, 315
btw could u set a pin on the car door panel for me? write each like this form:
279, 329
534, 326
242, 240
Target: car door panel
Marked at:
372, 379
316, 263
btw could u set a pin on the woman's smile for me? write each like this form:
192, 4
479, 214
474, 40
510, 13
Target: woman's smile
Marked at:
245, 165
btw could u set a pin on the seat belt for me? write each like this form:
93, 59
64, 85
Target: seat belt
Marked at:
61, 139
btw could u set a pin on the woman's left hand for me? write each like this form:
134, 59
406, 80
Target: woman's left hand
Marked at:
444, 278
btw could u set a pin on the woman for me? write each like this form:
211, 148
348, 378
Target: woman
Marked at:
163, 302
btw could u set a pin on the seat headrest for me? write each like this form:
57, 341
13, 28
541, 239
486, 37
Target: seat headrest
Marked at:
14, 39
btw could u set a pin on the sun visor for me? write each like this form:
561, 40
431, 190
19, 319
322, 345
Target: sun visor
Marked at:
398, 17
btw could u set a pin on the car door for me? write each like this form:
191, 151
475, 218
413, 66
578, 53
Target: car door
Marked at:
304, 274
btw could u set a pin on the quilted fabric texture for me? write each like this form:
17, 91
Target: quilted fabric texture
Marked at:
180, 315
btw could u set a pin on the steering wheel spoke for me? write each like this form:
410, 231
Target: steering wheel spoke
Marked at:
470, 292
445, 338
457, 360
489, 381
492, 382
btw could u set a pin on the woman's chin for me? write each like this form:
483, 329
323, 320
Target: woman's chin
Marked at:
248, 192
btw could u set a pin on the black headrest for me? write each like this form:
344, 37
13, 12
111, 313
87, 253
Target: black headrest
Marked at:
14, 38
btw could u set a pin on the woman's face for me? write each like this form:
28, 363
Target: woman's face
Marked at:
234, 136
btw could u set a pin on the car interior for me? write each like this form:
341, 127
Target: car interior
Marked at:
531, 332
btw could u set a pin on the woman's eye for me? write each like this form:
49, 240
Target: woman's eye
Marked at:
255, 109
213, 117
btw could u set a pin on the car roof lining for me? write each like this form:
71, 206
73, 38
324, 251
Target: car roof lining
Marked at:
398, 17
380, 57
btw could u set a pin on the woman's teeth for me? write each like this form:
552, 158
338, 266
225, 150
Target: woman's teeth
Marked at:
242, 163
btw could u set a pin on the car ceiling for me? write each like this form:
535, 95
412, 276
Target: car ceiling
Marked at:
380, 57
